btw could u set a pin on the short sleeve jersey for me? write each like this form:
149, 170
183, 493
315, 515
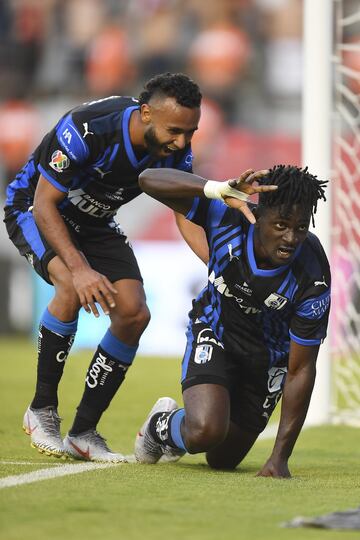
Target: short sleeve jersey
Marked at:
89, 156
256, 312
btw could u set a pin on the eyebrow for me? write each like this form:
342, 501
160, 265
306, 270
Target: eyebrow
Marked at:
180, 130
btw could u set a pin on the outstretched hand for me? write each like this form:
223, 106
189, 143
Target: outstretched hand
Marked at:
245, 184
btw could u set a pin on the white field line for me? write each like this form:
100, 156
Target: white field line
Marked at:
58, 470
53, 472
4, 462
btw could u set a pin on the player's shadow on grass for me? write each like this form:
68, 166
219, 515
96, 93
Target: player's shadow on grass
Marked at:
241, 469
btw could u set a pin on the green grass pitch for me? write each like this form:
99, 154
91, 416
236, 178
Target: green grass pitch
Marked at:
185, 500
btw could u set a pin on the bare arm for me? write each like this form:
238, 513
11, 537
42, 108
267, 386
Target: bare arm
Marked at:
298, 388
89, 284
177, 189
194, 236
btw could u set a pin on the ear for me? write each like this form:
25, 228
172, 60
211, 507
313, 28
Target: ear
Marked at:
145, 113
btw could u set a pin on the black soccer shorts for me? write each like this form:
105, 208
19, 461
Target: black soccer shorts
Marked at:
103, 243
254, 389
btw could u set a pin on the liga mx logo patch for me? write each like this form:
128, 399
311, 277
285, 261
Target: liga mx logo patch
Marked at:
203, 354
59, 161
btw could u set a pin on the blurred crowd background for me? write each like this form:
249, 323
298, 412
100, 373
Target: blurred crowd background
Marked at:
246, 56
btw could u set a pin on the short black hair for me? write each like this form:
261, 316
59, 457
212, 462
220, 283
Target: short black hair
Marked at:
295, 186
175, 85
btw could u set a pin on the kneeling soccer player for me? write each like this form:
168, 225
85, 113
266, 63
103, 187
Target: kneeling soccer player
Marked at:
255, 329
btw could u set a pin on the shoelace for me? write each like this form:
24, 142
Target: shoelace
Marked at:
50, 422
98, 439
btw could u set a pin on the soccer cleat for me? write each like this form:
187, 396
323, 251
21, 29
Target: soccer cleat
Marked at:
90, 446
43, 426
147, 450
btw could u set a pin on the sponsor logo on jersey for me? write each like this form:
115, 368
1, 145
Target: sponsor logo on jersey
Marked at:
59, 161
222, 288
275, 301
203, 354
320, 306
117, 196
87, 204
244, 288
72, 223
206, 335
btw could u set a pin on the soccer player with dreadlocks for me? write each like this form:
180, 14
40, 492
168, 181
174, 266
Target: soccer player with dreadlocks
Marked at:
255, 329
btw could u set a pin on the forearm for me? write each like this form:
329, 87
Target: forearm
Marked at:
295, 402
52, 226
194, 236
171, 183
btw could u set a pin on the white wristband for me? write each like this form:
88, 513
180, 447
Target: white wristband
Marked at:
220, 190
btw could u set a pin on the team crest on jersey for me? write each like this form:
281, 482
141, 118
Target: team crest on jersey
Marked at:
275, 301
203, 354
59, 161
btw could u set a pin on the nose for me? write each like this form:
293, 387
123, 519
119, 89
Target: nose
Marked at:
290, 237
180, 141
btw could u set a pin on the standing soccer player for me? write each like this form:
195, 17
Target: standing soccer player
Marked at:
255, 330
60, 215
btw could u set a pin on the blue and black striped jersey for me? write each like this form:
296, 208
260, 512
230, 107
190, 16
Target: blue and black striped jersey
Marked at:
256, 312
89, 156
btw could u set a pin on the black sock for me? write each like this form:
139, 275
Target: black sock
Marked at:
160, 428
103, 378
53, 349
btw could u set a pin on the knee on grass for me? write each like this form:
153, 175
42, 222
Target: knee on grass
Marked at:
202, 438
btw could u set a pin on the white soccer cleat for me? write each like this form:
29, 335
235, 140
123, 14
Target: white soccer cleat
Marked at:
91, 446
43, 426
147, 450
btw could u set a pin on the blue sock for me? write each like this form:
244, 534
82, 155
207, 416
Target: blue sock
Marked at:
175, 431
59, 327
117, 349
165, 428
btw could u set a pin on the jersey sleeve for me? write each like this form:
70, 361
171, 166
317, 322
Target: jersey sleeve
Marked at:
63, 152
207, 212
309, 323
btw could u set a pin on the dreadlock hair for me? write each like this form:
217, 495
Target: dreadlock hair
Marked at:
175, 85
295, 186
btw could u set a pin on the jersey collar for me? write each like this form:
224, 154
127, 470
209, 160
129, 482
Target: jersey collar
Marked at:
128, 146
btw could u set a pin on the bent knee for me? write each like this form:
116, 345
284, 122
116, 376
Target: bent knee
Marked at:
136, 317
65, 294
203, 438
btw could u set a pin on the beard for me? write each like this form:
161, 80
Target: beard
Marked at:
155, 147
153, 144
